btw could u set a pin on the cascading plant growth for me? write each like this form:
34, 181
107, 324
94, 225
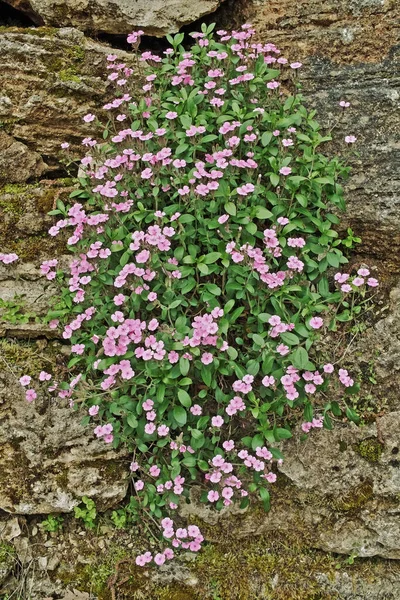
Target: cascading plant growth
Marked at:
206, 269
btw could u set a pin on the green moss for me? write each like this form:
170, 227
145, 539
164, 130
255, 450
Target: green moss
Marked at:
7, 551
177, 592
37, 31
264, 567
97, 576
23, 356
355, 499
370, 449
13, 204
69, 74
76, 54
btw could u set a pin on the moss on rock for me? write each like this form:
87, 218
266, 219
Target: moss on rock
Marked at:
370, 449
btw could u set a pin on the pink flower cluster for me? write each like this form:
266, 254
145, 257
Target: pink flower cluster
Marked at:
7, 259
359, 281
314, 424
47, 266
189, 538
105, 432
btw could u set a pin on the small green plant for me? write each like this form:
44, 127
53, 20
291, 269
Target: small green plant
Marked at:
52, 523
13, 311
119, 518
351, 240
87, 513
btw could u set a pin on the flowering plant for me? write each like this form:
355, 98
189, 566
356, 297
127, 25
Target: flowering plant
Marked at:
200, 285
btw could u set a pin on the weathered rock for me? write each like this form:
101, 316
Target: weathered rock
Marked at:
48, 461
349, 52
356, 473
117, 16
348, 587
24, 227
49, 79
17, 162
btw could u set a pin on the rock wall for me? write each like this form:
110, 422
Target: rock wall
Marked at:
340, 491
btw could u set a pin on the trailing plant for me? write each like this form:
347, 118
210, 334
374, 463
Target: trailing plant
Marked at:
204, 276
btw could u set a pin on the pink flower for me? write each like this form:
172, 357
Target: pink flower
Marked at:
282, 220
171, 115
139, 485
160, 559
30, 395
43, 376
54, 324
306, 427
212, 496
196, 409
149, 428
316, 322
88, 118
206, 358
372, 282
228, 445
282, 349
223, 219
93, 410
140, 560
350, 139
64, 145
285, 171
154, 471
296, 65
162, 430
25, 380
344, 104
328, 368
358, 281
217, 421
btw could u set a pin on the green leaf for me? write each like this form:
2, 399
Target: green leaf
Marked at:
204, 270
274, 178
184, 366
184, 398
282, 434
258, 339
230, 208
266, 138
290, 338
210, 258
132, 421
180, 415
265, 497
213, 289
263, 213
300, 358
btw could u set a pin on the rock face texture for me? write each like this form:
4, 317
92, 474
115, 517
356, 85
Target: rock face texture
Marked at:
117, 16
350, 51
48, 461
49, 79
26, 164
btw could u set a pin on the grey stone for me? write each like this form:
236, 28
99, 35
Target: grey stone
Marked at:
17, 162
49, 93
118, 16
48, 461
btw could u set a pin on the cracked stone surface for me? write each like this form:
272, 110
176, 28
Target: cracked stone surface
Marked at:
117, 16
